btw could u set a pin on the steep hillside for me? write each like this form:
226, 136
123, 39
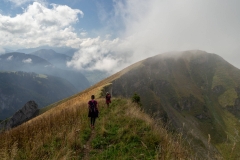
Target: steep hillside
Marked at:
194, 90
17, 88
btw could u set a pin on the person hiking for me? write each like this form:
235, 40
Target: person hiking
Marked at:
93, 110
108, 98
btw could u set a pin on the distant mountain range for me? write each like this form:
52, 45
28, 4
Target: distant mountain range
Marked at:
59, 60
17, 88
16, 61
63, 50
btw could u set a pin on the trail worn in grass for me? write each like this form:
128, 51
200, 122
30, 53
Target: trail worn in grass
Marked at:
88, 147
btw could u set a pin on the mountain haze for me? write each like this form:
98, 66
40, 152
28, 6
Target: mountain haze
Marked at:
16, 61
57, 59
31, 63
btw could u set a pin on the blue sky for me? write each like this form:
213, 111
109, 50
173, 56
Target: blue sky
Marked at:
111, 34
91, 9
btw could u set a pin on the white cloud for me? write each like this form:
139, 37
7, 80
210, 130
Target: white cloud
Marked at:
29, 60
97, 54
39, 25
10, 58
157, 26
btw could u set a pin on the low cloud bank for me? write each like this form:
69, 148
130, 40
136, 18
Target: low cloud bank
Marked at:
99, 54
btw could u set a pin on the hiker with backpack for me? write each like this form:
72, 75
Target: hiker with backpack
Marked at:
108, 98
93, 110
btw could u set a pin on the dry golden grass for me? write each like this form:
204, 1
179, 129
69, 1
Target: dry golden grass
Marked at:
60, 127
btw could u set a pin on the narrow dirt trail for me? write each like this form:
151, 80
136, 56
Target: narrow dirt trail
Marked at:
88, 147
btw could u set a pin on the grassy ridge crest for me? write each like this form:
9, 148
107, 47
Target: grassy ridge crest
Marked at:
123, 131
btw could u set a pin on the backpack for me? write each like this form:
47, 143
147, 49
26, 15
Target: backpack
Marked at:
92, 107
108, 97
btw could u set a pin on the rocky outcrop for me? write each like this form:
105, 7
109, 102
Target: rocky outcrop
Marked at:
29, 110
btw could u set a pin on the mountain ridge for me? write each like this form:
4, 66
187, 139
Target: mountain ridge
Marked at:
181, 87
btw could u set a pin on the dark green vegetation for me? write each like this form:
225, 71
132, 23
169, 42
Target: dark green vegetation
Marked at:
193, 90
17, 88
136, 98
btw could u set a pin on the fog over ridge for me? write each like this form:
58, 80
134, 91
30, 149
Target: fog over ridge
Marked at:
155, 27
